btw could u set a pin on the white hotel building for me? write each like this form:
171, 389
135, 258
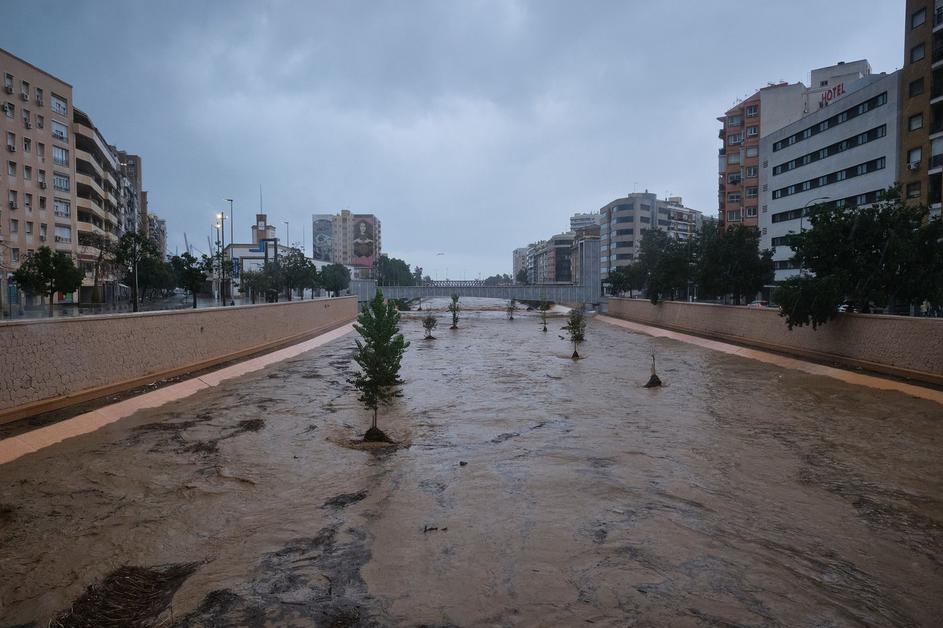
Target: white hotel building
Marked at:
845, 153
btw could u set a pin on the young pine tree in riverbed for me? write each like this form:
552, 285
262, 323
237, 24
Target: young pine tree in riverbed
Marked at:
576, 328
454, 308
429, 322
379, 353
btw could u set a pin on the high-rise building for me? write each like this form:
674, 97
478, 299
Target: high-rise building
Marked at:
624, 220
518, 261
38, 189
585, 220
345, 238
157, 231
843, 154
766, 111
920, 162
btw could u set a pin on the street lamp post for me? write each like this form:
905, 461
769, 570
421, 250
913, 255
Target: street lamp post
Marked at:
232, 242
222, 257
287, 234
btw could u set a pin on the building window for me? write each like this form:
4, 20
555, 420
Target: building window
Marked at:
918, 19
60, 131
40, 121
59, 105
11, 141
734, 216
752, 111
917, 53
27, 173
913, 190
39, 96
733, 197
733, 158
29, 228
27, 144
9, 109
60, 156
914, 155
752, 192
61, 207
753, 131
915, 122
14, 226
40, 150
753, 151
733, 178
751, 212
11, 168
736, 138
916, 87
751, 172
734, 121
61, 182
8, 81
42, 202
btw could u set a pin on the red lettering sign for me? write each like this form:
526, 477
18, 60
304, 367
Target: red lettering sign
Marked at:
831, 94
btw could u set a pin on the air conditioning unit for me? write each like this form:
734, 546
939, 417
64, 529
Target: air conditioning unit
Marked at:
58, 238
8, 89
42, 185
39, 101
24, 96
42, 238
39, 124
13, 205
11, 148
29, 125
58, 136
913, 165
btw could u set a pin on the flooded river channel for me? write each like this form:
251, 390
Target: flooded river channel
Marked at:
528, 490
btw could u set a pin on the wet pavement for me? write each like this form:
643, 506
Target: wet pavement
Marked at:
528, 490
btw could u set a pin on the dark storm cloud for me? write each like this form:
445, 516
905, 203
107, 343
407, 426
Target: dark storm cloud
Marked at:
470, 128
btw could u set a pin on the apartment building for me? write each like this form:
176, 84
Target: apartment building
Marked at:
354, 240
920, 162
624, 220
157, 231
38, 185
844, 154
585, 220
518, 261
766, 111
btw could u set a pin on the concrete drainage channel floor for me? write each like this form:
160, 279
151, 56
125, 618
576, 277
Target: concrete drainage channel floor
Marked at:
527, 489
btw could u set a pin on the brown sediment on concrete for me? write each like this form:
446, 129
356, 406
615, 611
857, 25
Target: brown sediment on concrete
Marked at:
29, 442
846, 376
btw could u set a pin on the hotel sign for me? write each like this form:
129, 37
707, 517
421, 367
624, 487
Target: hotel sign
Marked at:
831, 94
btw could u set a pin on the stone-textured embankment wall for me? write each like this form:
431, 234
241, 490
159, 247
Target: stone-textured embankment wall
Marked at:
896, 345
52, 363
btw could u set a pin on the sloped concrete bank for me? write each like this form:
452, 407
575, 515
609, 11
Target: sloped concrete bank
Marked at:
49, 364
901, 346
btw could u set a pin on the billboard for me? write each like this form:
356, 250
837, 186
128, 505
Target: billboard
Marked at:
364, 241
323, 238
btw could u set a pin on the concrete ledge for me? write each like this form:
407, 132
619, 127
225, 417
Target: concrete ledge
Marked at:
53, 363
900, 346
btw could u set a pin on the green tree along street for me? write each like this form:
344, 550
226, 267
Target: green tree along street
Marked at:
666, 264
521, 277
296, 271
729, 262
334, 278
394, 272
885, 255
190, 273
46, 272
379, 354
130, 250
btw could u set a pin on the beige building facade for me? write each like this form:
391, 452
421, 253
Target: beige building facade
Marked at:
38, 183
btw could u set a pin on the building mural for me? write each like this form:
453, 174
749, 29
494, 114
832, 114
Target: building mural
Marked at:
323, 238
364, 241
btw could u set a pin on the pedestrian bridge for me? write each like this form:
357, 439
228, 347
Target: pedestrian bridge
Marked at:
567, 294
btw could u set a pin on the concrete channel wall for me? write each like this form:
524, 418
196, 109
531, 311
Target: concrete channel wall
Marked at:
895, 345
52, 363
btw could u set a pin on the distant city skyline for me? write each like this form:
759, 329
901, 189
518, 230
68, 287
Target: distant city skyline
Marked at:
470, 129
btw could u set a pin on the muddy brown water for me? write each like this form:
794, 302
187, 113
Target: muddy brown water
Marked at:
740, 494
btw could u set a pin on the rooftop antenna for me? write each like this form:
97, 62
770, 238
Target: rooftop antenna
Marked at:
260, 198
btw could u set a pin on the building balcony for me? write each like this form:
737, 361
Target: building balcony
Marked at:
84, 179
94, 164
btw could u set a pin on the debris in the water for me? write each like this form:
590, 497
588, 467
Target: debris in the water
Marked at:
462, 463
653, 381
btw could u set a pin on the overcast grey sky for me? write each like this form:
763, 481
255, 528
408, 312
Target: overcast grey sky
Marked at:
469, 128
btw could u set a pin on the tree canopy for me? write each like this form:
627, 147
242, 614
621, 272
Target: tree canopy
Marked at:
48, 272
335, 277
882, 255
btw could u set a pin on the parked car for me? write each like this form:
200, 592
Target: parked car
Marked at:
848, 306
758, 304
